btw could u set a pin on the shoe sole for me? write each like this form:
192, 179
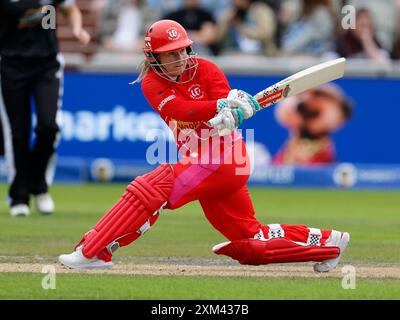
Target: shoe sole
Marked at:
94, 265
45, 213
344, 241
20, 215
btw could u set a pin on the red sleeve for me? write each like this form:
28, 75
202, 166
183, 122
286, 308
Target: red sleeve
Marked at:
170, 105
218, 86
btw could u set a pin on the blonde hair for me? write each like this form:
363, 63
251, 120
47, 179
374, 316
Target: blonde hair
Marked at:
144, 67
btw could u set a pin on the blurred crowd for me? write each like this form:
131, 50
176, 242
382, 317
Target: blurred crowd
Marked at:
273, 28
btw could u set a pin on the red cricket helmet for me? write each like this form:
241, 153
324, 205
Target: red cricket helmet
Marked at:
166, 36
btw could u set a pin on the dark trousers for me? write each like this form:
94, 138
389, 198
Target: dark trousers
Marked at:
24, 80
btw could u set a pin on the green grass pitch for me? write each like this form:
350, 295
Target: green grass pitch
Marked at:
372, 218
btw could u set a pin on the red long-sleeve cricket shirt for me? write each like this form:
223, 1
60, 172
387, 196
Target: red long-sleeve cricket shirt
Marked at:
187, 107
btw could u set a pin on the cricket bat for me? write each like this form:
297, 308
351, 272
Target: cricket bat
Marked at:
297, 83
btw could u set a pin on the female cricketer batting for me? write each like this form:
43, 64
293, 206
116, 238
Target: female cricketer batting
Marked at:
214, 168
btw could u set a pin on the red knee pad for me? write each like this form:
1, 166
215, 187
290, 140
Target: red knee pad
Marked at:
133, 214
278, 250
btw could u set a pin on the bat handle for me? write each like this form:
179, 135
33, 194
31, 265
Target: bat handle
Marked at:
214, 121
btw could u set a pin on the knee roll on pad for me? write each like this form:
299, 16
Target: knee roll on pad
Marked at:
133, 214
278, 250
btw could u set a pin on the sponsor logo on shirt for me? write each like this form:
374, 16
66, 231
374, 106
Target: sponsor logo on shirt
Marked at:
184, 125
165, 101
196, 92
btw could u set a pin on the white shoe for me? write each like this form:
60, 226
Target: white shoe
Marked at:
20, 210
44, 203
337, 239
76, 260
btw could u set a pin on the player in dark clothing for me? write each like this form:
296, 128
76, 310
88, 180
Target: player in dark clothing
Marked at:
32, 67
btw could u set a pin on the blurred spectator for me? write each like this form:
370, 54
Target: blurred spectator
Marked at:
288, 13
383, 13
276, 6
164, 7
361, 42
310, 119
313, 33
248, 26
125, 23
217, 8
396, 47
199, 24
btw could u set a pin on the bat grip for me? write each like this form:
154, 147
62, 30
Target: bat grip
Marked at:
212, 122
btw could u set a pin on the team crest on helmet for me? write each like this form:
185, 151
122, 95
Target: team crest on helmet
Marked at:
173, 33
196, 92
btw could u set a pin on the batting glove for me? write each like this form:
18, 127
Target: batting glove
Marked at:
227, 119
239, 99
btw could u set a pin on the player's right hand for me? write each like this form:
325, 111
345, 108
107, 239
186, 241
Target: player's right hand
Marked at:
232, 110
227, 119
